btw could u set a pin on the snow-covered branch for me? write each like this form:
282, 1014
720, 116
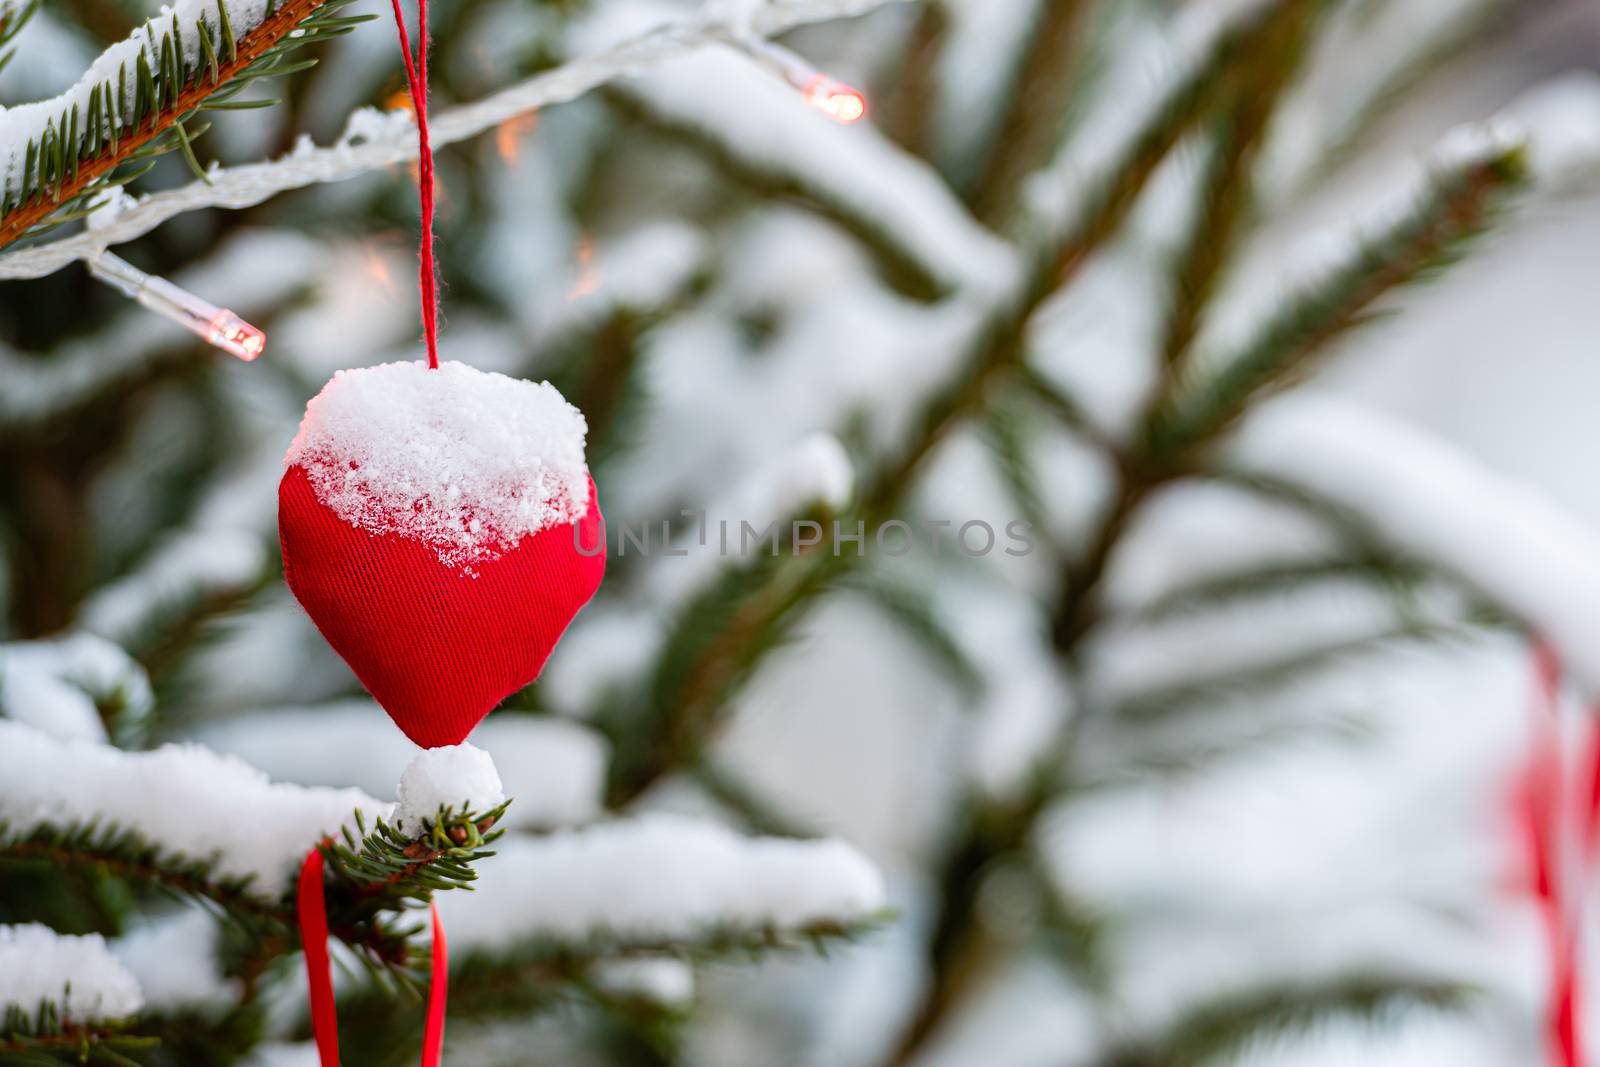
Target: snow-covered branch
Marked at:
658, 880
373, 140
1513, 545
77, 974
196, 803
554, 768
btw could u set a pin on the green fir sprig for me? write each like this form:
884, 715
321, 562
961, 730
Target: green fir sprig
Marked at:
46, 1035
150, 106
1461, 203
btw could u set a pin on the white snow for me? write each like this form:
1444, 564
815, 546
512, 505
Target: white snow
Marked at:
174, 960
466, 461
608, 642
77, 973
1019, 721
655, 877
275, 1054
187, 799
1509, 541
553, 768
53, 685
1562, 119
642, 268
462, 777
189, 567
1477, 142
660, 980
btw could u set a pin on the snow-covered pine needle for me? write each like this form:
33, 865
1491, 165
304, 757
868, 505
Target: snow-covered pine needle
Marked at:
1472, 174
1512, 544
77, 975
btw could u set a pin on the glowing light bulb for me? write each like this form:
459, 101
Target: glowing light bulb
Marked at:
218, 326
235, 336
822, 91
835, 99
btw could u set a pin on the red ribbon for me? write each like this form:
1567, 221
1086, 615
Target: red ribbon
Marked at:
438, 992
324, 1013
417, 82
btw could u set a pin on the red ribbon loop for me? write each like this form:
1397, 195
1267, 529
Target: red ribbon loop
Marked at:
313, 910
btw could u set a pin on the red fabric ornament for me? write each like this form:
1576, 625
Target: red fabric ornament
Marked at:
438, 646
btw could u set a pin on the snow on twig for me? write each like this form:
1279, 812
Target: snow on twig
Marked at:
461, 778
1515, 546
659, 877
373, 141
553, 769
76, 973
183, 797
175, 960
56, 685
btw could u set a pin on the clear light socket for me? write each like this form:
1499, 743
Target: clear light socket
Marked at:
217, 326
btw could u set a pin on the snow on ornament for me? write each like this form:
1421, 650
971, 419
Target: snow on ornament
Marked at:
441, 529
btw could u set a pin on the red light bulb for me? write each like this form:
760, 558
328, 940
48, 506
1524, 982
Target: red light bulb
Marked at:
835, 99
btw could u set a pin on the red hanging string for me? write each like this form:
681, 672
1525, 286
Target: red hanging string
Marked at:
417, 82
313, 911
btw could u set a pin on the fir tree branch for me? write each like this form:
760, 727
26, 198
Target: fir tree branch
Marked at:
13, 17
735, 793
1226, 183
523, 979
85, 148
999, 344
371, 875
126, 854
1460, 206
1187, 755
1222, 1028
563, 959
1192, 100
915, 616
995, 832
1273, 579
1257, 679
1464, 30
1034, 119
46, 1036
719, 638
902, 267
702, 667
906, 102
